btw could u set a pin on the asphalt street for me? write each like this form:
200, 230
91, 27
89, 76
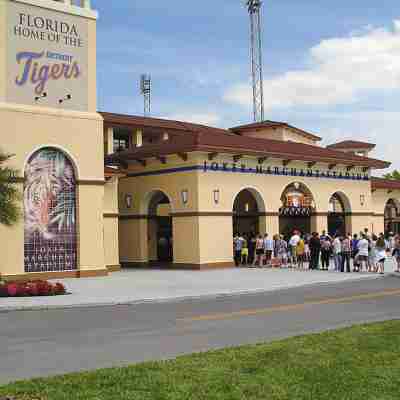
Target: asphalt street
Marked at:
44, 343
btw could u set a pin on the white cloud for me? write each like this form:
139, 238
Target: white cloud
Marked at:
341, 71
211, 119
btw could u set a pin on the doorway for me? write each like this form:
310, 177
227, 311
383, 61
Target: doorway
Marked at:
160, 229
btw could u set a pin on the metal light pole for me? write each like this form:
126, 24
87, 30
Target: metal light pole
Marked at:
254, 9
145, 90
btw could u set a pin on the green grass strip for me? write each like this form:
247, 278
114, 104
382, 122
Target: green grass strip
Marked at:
358, 363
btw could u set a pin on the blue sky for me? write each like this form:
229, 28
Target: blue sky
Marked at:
332, 70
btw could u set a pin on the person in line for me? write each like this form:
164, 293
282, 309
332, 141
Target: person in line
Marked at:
392, 241
380, 252
354, 251
259, 251
237, 248
300, 253
252, 248
326, 250
396, 252
315, 249
362, 256
372, 267
307, 248
281, 251
346, 253
293, 242
337, 250
245, 251
268, 249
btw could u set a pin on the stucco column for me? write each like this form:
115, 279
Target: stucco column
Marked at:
186, 240
137, 138
378, 223
319, 222
91, 232
272, 224
133, 240
215, 239
359, 222
110, 140
349, 224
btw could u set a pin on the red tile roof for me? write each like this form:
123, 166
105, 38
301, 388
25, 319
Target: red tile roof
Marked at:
216, 140
273, 124
352, 144
158, 123
381, 183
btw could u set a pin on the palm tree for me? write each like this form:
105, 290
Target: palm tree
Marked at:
9, 194
395, 175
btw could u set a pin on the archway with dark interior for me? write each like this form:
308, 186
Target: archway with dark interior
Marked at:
297, 207
160, 228
248, 207
392, 216
339, 207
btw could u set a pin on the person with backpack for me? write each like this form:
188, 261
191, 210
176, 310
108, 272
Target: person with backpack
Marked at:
326, 250
259, 252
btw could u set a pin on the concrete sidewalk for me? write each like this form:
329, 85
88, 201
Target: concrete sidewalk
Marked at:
140, 286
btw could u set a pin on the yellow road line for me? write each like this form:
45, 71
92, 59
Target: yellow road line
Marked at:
290, 307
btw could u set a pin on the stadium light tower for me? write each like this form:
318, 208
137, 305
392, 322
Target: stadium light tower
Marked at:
145, 90
254, 9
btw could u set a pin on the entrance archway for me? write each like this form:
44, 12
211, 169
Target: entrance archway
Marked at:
297, 207
247, 210
50, 210
339, 206
160, 229
392, 216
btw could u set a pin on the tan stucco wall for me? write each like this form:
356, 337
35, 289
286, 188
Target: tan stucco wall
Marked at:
3, 64
380, 198
26, 129
137, 239
202, 229
271, 188
280, 133
215, 239
110, 210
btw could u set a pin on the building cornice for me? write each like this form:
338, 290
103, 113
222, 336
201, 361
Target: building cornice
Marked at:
61, 7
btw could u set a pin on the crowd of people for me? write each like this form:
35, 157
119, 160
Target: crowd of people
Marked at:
350, 253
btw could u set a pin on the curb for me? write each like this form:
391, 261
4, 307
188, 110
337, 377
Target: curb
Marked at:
179, 299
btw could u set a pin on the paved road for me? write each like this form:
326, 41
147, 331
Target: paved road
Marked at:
42, 343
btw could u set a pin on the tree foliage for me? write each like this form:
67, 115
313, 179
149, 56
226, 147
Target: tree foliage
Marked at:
9, 194
394, 175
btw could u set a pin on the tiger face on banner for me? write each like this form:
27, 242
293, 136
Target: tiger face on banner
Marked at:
50, 212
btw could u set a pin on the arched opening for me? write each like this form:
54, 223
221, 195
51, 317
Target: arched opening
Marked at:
160, 229
338, 207
297, 207
392, 216
50, 209
247, 210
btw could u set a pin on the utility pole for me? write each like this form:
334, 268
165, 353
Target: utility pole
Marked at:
145, 90
254, 9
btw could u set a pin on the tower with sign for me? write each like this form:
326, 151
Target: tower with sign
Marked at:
50, 125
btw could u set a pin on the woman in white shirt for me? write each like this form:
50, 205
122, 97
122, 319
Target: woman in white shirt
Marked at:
362, 255
380, 255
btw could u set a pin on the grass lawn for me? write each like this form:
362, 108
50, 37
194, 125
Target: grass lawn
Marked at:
362, 362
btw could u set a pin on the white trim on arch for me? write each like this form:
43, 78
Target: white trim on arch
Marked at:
344, 199
73, 160
146, 199
256, 192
